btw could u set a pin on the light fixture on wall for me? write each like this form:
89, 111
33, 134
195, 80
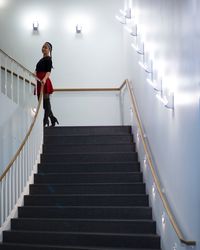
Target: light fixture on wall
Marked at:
163, 219
35, 25
166, 99
145, 162
147, 67
139, 50
132, 30
121, 19
154, 190
156, 84
126, 13
174, 246
78, 29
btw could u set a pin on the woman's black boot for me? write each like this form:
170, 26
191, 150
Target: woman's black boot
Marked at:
53, 120
46, 122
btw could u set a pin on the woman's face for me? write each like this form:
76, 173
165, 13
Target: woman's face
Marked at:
45, 50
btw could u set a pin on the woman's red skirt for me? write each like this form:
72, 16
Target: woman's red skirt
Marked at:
48, 87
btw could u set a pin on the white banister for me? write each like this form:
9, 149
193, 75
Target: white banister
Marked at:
17, 84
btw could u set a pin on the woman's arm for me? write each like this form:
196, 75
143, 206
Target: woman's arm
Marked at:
46, 77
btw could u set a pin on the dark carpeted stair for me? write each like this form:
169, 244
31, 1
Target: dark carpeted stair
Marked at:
88, 194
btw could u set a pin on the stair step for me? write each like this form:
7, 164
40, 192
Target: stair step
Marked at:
85, 225
89, 167
88, 194
83, 239
87, 139
88, 130
89, 188
86, 212
91, 157
86, 200
15, 246
107, 177
81, 148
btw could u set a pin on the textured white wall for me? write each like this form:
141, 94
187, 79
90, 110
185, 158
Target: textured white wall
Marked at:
170, 33
92, 58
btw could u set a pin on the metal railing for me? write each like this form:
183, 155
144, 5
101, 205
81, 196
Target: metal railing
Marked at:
18, 172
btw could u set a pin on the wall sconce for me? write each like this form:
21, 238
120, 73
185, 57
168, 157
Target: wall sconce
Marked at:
145, 162
147, 67
156, 84
121, 19
137, 49
163, 219
126, 13
174, 246
167, 100
35, 25
154, 190
78, 29
132, 30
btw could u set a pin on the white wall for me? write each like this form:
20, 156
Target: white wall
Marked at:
170, 33
91, 59
87, 108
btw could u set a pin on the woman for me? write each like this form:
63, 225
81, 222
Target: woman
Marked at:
43, 71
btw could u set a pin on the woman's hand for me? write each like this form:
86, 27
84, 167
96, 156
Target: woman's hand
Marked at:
44, 81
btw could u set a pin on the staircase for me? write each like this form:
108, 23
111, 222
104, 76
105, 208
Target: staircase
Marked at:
88, 194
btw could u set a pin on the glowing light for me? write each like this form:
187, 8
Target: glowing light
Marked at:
174, 246
132, 30
185, 99
163, 219
137, 49
121, 19
2, 3
163, 99
154, 190
37, 19
126, 13
155, 83
145, 162
138, 136
146, 67
81, 19
33, 112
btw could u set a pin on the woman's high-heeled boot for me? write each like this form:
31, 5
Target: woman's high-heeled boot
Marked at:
53, 120
46, 122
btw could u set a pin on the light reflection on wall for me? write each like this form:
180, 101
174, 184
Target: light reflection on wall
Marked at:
187, 98
85, 21
27, 21
3, 3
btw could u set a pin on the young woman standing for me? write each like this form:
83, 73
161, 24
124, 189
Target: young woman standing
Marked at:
43, 71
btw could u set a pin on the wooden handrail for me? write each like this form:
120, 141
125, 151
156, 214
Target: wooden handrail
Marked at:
85, 89
155, 177
24, 68
25, 139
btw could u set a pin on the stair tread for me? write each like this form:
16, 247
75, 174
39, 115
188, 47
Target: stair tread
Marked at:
91, 153
86, 173
92, 183
84, 233
52, 247
96, 163
92, 207
85, 195
85, 219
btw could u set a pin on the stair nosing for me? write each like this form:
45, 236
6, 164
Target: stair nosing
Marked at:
85, 233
